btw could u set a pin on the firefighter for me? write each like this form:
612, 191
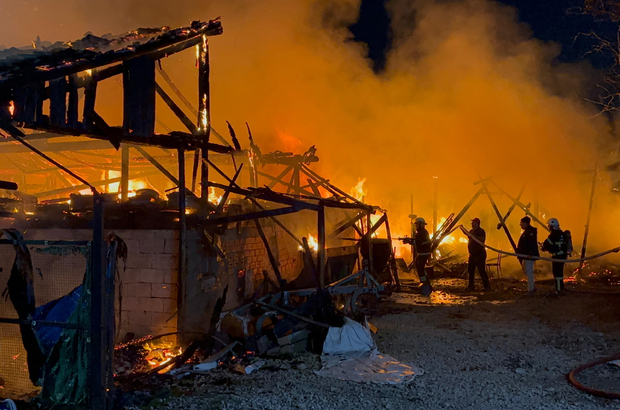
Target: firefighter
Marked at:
528, 245
559, 245
477, 256
422, 243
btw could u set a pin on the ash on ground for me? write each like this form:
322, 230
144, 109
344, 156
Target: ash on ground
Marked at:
477, 351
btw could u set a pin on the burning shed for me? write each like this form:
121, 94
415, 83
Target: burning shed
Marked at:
187, 237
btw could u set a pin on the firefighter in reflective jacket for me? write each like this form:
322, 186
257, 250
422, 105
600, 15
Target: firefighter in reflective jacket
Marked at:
422, 245
559, 245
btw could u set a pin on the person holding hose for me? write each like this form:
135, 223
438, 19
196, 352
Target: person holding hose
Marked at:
528, 245
559, 245
422, 243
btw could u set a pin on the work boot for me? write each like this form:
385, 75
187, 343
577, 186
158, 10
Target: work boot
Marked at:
531, 293
7, 404
471, 288
426, 289
487, 289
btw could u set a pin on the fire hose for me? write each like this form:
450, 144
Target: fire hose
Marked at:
530, 257
572, 379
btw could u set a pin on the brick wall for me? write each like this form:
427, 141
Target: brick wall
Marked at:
146, 300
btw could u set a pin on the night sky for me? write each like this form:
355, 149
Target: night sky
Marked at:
550, 20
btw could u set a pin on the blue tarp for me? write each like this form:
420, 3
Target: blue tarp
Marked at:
59, 310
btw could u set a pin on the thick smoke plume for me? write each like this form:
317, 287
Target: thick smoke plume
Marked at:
467, 93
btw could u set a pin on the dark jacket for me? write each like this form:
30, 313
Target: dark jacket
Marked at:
556, 244
474, 248
423, 242
528, 242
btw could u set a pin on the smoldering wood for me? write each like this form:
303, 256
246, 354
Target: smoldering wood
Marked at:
139, 89
233, 182
204, 110
174, 42
233, 137
95, 184
58, 101
195, 169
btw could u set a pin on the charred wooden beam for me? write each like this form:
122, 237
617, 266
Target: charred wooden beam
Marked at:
249, 216
157, 165
204, 111
233, 182
58, 101
279, 177
139, 97
176, 110
17, 134
155, 50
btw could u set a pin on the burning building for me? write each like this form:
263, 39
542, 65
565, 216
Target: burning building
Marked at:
180, 237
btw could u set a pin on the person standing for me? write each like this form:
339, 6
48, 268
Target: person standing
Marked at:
422, 243
559, 245
477, 255
528, 246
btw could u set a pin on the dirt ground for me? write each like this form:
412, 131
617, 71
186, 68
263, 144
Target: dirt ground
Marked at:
476, 350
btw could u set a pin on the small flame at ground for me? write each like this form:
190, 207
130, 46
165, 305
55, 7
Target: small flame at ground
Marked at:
313, 244
213, 197
12, 108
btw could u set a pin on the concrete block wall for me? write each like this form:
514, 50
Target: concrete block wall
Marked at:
148, 294
146, 298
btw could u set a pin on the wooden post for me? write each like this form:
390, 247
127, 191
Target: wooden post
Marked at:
585, 234
124, 187
204, 112
320, 256
499, 216
182, 263
371, 268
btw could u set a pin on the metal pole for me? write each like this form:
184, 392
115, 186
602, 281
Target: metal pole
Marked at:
97, 349
320, 256
182, 244
124, 173
204, 111
435, 194
585, 234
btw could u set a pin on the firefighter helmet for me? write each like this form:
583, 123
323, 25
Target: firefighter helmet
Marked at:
553, 223
420, 221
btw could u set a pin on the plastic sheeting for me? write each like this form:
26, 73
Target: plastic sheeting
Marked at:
350, 353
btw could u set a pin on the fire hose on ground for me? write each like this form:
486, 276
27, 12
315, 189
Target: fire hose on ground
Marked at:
542, 258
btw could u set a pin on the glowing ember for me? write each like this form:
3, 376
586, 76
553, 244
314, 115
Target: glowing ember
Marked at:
12, 108
358, 191
313, 244
159, 355
213, 197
